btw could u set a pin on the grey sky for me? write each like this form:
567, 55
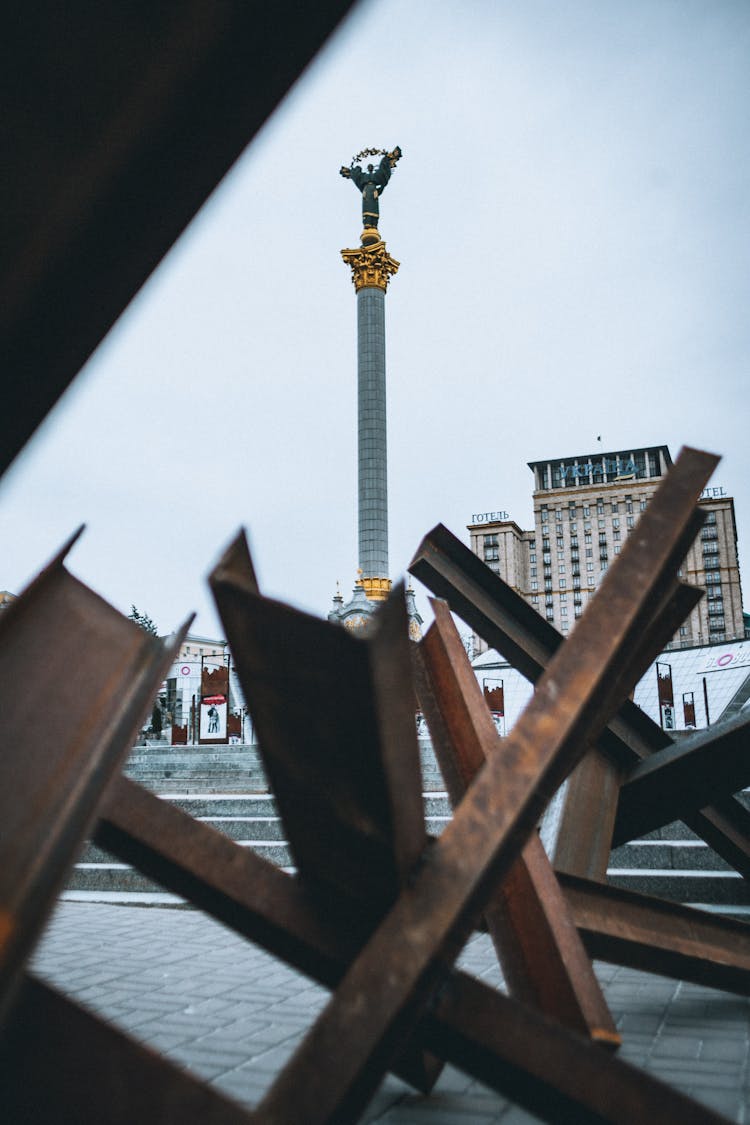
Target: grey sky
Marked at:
571, 216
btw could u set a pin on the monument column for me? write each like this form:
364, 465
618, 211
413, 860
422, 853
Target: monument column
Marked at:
372, 267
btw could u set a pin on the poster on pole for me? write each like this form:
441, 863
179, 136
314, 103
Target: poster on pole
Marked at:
213, 718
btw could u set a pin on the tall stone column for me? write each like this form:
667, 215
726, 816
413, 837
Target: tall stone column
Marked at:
372, 267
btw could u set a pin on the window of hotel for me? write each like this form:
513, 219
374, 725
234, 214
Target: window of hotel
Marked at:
603, 566
532, 558
558, 515
577, 611
546, 558
600, 523
563, 597
563, 611
615, 523
587, 525
561, 568
600, 507
586, 510
617, 547
548, 583
614, 507
534, 584
590, 580
630, 520
532, 544
589, 552
545, 544
574, 542
532, 571
560, 544
573, 527
535, 599
589, 566
587, 538
615, 535
628, 504
711, 517
643, 505
545, 515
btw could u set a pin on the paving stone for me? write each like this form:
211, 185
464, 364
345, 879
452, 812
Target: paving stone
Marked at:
232, 1014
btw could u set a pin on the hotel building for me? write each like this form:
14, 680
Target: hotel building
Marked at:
584, 509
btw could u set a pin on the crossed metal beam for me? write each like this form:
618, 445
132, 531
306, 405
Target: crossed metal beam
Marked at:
377, 911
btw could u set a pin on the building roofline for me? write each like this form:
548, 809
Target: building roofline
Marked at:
569, 458
498, 523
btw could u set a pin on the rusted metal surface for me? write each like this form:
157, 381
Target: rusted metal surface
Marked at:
233, 884
351, 808
553, 1073
243, 891
385, 924
661, 937
584, 837
508, 623
543, 959
104, 110
76, 680
684, 777
394, 977
61, 1065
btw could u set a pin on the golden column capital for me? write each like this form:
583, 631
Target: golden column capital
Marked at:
376, 589
371, 265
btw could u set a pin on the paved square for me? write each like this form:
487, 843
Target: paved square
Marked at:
232, 1014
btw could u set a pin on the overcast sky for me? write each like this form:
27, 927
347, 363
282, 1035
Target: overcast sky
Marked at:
571, 215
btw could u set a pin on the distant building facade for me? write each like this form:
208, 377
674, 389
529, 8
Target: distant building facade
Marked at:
584, 509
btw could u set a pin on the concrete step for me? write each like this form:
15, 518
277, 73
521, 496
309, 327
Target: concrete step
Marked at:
249, 819
720, 888
189, 769
672, 854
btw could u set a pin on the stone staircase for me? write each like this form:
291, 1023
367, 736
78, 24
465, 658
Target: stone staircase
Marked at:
226, 788
673, 863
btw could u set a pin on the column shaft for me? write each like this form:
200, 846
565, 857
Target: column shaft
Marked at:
373, 473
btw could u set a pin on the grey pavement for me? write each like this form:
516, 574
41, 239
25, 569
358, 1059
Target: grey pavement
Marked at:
227, 1011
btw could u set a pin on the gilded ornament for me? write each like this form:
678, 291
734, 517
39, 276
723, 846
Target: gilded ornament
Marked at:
372, 266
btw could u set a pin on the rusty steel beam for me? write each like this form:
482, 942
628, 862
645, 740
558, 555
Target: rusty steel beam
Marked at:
682, 778
589, 808
234, 885
62, 1065
76, 680
657, 936
543, 959
556, 1075
269, 906
583, 842
324, 704
242, 890
508, 623
118, 122
378, 1003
